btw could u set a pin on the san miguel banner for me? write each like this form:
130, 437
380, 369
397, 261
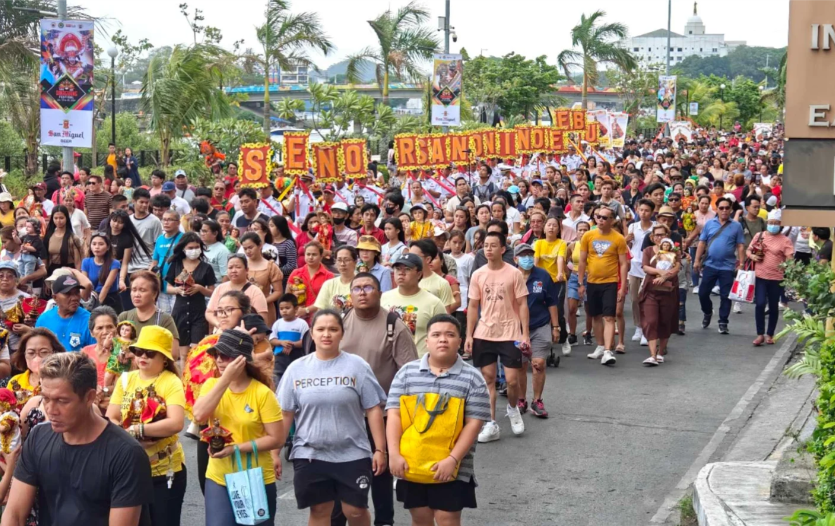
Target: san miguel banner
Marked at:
255, 165
66, 81
666, 98
295, 147
446, 90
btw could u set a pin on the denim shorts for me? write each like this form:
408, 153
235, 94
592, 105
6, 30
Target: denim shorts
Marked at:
574, 287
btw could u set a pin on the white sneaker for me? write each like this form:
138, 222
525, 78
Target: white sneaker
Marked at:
644, 341
715, 290
566, 348
517, 425
696, 289
490, 432
597, 353
737, 308
659, 359
608, 358
638, 334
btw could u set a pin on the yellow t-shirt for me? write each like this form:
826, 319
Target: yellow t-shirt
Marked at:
603, 253
244, 414
7, 219
111, 160
169, 387
438, 286
334, 295
415, 311
22, 380
422, 230
548, 253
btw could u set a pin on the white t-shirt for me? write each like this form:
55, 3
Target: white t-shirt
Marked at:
79, 223
180, 205
513, 216
636, 268
464, 262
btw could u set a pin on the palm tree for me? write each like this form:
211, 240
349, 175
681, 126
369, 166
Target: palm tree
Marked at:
597, 45
286, 38
403, 43
177, 91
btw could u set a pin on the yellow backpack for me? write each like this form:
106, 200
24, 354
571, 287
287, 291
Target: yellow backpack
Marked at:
431, 424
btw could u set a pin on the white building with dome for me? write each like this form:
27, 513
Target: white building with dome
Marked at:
651, 48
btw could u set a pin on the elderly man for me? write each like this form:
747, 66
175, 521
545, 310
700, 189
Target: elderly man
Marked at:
184, 190
380, 338
69, 321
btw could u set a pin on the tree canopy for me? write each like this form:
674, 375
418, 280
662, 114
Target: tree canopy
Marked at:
746, 61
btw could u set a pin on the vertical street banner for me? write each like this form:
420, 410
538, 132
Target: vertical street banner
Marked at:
619, 123
694, 109
602, 117
681, 131
666, 98
446, 90
66, 81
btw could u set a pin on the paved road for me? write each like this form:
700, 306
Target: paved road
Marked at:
618, 440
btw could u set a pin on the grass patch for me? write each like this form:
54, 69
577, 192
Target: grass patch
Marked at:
688, 514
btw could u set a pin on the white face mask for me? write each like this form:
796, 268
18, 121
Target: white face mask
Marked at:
21, 232
193, 253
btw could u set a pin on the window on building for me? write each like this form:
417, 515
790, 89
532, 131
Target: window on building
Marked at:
715, 50
690, 32
700, 49
679, 49
649, 49
634, 49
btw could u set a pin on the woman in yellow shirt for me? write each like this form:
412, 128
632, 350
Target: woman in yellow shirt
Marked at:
549, 255
242, 403
6, 209
149, 402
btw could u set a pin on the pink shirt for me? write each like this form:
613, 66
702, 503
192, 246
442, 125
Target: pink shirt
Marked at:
701, 218
499, 293
777, 249
90, 351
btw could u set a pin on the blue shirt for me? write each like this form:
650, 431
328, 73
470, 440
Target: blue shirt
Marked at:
162, 252
89, 267
542, 294
72, 332
722, 252
383, 275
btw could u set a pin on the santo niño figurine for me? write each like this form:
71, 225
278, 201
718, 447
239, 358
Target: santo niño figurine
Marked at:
9, 422
216, 436
119, 362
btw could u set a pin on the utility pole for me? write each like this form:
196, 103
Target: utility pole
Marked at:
669, 27
69, 162
766, 73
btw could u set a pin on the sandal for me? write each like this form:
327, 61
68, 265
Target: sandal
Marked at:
769, 340
759, 340
650, 361
620, 349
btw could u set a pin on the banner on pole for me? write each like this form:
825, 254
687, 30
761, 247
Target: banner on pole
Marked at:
694, 108
255, 165
325, 162
762, 130
603, 120
446, 90
666, 98
66, 81
681, 130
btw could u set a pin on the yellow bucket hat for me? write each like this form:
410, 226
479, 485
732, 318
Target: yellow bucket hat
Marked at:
155, 338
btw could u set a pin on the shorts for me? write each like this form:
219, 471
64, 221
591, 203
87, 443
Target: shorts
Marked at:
574, 287
191, 326
540, 342
486, 352
602, 299
449, 496
316, 482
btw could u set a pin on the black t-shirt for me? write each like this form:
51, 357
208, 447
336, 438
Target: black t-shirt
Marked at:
675, 237
120, 242
78, 485
203, 275
826, 251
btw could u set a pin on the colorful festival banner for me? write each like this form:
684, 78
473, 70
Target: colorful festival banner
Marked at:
568, 120
592, 133
476, 144
459, 148
66, 81
508, 144
762, 130
619, 122
325, 160
446, 90
255, 165
681, 131
489, 143
437, 146
557, 141
532, 139
353, 156
295, 147
666, 98
603, 120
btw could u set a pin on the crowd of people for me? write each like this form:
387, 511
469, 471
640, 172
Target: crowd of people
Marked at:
366, 327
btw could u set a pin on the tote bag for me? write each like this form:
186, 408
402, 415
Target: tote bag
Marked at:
246, 490
431, 424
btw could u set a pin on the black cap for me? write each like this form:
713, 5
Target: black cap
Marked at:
254, 321
409, 260
65, 284
234, 343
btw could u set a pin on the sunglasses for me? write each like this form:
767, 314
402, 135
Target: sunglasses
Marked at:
143, 352
602, 218
216, 355
723, 208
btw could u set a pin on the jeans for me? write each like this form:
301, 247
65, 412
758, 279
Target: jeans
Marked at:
165, 302
682, 305
219, 508
767, 292
725, 278
167, 505
560, 288
694, 275
27, 263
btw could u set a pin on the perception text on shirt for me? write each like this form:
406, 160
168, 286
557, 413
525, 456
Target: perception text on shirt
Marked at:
349, 381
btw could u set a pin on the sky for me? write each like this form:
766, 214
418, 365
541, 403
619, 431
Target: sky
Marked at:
490, 27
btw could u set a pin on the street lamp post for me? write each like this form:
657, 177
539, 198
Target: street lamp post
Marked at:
113, 52
762, 91
722, 93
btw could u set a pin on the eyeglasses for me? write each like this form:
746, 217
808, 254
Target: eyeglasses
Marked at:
7, 275
40, 353
723, 207
144, 352
226, 312
346, 261
365, 289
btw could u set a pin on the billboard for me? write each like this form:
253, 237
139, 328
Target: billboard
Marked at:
666, 100
66, 81
446, 90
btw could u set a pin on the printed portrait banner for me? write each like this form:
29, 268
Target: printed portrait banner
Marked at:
666, 98
255, 165
446, 90
325, 160
602, 118
619, 122
295, 148
762, 130
353, 157
681, 130
66, 81
694, 108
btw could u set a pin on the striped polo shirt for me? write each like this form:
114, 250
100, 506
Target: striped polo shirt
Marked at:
462, 380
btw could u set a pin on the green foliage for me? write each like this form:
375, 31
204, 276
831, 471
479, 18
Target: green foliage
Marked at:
746, 61
127, 134
10, 141
811, 518
227, 134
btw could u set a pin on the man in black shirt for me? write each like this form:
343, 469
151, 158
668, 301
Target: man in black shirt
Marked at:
82, 469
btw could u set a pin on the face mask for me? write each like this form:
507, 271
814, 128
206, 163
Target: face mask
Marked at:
773, 229
390, 210
338, 220
21, 232
193, 254
700, 172
526, 262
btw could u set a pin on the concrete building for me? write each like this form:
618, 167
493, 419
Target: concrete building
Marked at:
651, 48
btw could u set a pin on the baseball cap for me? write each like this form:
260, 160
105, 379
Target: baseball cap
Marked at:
40, 186
65, 284
168, 186
179, 173
9, 265
339, 206
329, 189
6, 197
409, 260
521, 248
439, 232
419, 206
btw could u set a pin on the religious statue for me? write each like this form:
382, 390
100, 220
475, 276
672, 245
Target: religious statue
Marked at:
216, 436
9, 422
